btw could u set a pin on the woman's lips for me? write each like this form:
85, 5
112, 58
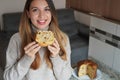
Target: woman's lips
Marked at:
41, 22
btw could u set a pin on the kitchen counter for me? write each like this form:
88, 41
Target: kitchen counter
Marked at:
114, 75
106, 72
104, 77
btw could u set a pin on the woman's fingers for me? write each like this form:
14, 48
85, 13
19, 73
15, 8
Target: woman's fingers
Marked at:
35, 50
54, 48
31, 49
56, 43
29, 45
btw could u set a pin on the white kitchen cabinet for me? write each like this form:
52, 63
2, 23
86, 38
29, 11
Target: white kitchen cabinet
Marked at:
104, 42
116, 63
103, 25
118, 31
101, 51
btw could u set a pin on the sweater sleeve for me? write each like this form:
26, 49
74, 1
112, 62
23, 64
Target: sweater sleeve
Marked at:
16, 69
62, 69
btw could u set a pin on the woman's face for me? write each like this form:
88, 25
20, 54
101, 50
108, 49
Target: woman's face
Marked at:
39, 14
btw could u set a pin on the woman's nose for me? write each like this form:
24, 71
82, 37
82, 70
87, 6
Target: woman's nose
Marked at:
41, 14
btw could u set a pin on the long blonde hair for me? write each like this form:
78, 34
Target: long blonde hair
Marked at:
27, 35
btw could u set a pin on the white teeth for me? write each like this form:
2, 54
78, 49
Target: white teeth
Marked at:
42, 21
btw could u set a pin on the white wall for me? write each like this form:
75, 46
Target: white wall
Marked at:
59, 3
10, 6
7, 6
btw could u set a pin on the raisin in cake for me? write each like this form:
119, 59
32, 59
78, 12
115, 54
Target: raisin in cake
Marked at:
44, 38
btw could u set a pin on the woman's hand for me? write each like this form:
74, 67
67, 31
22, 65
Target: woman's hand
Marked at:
31, 49
54, 48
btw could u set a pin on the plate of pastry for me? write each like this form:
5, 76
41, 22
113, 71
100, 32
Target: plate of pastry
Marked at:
87, 70
86, 77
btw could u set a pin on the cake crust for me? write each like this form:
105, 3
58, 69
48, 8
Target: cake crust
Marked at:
87, 67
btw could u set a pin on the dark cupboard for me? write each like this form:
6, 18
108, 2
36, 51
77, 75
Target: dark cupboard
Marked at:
107, 8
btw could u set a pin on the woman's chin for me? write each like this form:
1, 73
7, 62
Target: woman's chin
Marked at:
43, 28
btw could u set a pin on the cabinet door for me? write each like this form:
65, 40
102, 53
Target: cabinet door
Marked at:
118, 31
101, 51
103, 25
116, 63
98, 7
114, 10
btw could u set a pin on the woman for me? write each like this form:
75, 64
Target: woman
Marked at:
26, 60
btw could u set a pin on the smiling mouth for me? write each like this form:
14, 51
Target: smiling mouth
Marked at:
41, 22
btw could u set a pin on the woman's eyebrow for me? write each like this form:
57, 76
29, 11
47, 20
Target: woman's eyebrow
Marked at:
47, 7
33, 7
37, 7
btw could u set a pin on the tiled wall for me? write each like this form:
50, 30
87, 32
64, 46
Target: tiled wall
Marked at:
104, 43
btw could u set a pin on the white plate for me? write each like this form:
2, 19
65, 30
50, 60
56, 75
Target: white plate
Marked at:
86, 77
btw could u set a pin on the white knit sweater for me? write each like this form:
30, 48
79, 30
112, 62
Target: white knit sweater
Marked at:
20, 70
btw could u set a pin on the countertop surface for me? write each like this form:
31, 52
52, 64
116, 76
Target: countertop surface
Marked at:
104, 76
105, 72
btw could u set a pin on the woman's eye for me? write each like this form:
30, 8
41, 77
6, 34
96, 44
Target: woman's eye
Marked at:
47, 9
35, 10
